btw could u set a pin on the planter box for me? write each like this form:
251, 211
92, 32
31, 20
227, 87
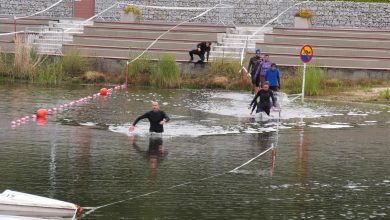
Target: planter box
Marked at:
131, 18
302, 22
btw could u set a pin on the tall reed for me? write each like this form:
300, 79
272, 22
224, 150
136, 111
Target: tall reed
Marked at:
314, 81
166, 74
73, 64
385, 94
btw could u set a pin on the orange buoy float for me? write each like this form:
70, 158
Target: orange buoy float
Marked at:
41, 113
103, 92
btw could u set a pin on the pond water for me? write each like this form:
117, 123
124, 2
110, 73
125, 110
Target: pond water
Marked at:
330, 161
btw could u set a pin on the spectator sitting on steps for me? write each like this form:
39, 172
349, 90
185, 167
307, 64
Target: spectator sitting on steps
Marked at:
202, 48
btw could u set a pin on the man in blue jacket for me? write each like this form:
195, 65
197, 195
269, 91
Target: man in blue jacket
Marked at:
273, 77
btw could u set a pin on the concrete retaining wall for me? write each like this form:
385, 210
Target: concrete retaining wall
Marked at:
116, 66
346, 74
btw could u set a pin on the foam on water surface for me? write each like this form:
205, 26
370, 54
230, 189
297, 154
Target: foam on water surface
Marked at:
331, 126
236, 104
179, 128
218, 105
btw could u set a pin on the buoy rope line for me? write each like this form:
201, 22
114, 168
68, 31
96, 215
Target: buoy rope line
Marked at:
41, 113
23, 120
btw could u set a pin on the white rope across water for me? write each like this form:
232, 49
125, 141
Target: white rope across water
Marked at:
93, 209
27, 16
268, 23
249, 161
40, 12
11, 33
181, 23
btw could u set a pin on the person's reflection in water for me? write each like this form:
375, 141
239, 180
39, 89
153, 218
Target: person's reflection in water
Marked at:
155, 152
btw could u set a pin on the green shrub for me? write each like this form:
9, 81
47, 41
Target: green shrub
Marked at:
73, 64
166, 74
50, 73
141, 66
385, 94
224, 67
314, 83
93, 77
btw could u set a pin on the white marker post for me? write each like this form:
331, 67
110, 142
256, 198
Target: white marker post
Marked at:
306, 55
303, 83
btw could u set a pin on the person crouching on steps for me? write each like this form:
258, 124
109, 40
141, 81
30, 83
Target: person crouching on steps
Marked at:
201, 50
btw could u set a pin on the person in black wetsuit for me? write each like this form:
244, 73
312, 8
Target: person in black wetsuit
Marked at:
156, 118
264, 103
201, 49
252, 67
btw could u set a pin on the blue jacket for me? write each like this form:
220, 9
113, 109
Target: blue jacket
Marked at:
272, 76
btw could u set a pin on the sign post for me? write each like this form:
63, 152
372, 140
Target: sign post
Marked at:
306, 55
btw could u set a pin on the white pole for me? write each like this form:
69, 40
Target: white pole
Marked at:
303, 82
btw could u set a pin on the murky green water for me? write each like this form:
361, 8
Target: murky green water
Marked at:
334, 165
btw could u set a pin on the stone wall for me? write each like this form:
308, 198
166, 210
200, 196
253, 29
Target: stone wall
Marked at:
258, 12
245, 12
24, 7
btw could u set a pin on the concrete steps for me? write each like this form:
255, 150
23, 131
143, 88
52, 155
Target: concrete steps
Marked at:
326, 32
334, 48
121, 40
27, 21
7, 47
164, 25
331, 41
150, 34
6, 28
8, 38
49, 39
171, 44
236, 39
325, 50
123, 53
333, 62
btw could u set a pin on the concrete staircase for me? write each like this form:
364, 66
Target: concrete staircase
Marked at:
121, 40
333, 48
231, 44
49, 39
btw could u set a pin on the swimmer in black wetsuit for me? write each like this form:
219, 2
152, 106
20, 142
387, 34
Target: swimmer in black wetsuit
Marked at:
264, 104
156, 118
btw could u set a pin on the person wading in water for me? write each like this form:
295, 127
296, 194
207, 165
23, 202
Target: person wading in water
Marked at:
261, 70
156, 118
272, 76
254, 63
264, 104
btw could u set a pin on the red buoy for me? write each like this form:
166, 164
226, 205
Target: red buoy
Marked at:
103, 92
41, 113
